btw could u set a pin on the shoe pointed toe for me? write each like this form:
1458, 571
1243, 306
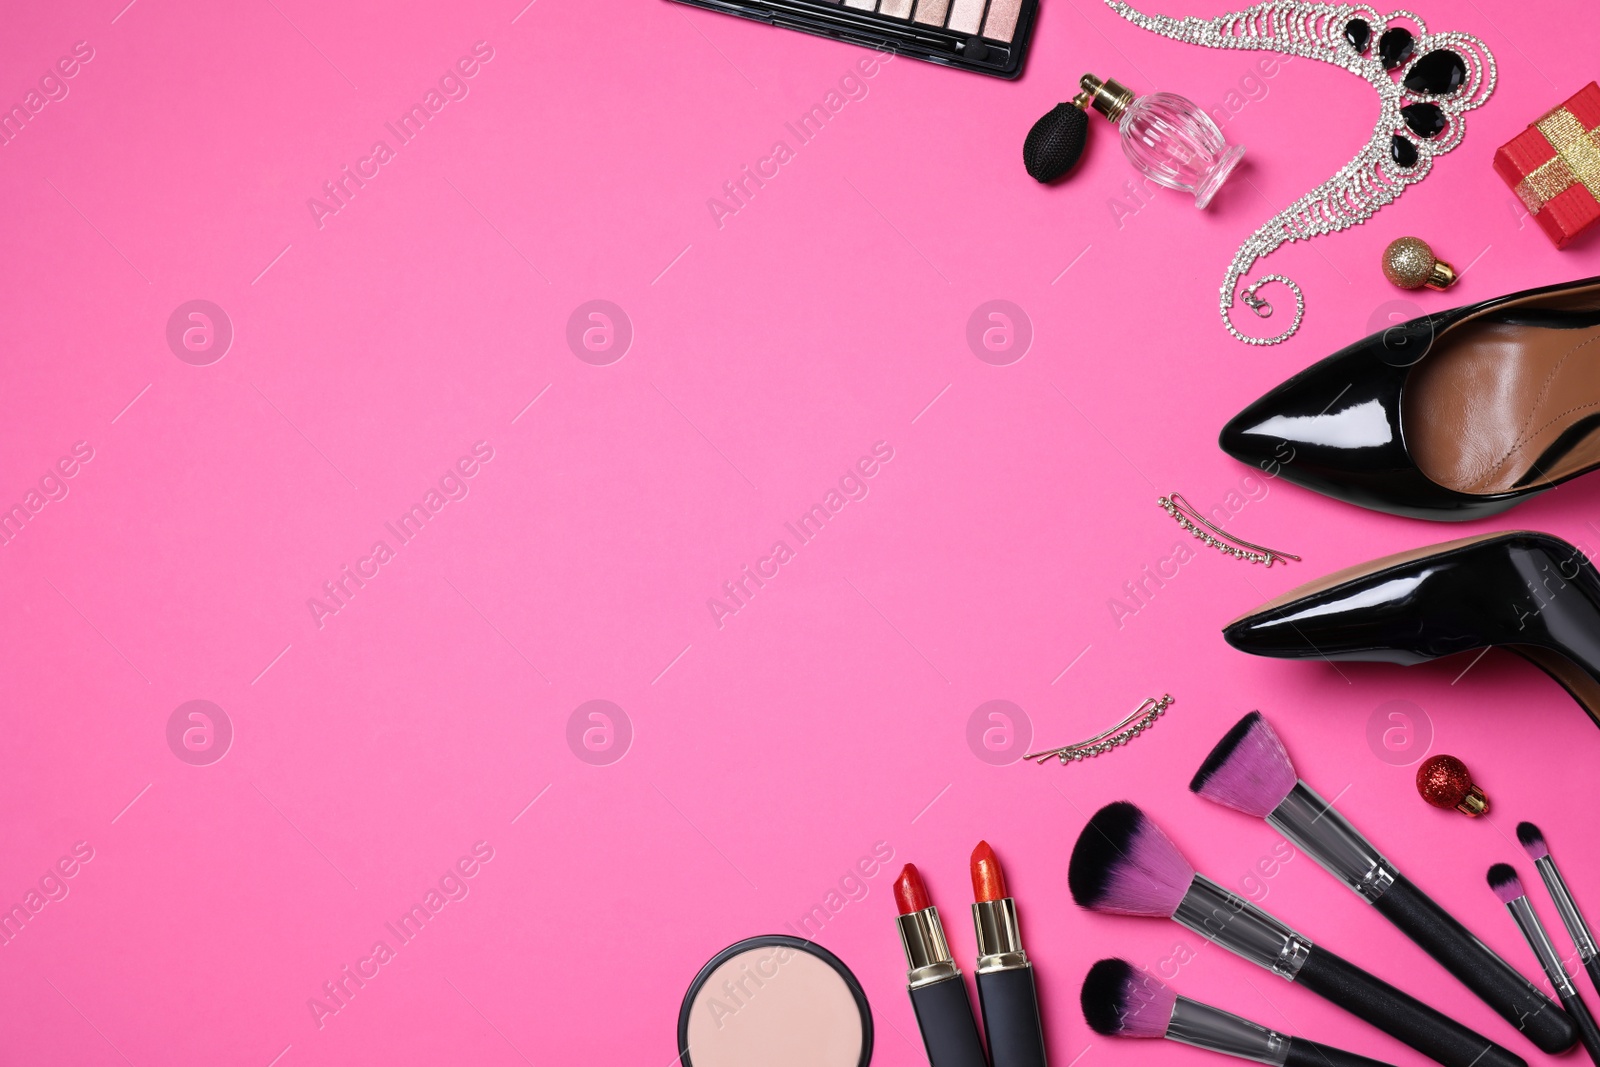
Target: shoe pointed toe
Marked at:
1336, 429
1265, 635
1482, 375
1363, 619
1337, 418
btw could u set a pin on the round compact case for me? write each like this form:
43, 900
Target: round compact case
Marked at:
775, 1001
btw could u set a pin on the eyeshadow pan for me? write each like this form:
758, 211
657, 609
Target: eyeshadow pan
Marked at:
861, 5
1002, 21
895, 9
931, 12
965, 16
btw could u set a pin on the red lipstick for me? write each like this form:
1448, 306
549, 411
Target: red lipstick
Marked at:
988, 880
910, 892
938, 995
1006, 988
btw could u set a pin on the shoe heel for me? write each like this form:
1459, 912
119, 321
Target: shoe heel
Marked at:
1558, 621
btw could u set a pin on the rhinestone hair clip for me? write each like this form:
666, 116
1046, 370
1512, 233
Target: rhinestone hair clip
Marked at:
1220, 539
1138, 721
1425, 81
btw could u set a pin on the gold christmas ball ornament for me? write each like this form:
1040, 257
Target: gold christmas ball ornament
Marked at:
1411, 264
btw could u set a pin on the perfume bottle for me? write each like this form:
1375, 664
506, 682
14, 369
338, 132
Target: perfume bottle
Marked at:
1166, 137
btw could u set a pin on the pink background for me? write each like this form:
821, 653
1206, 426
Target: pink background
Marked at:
830, 713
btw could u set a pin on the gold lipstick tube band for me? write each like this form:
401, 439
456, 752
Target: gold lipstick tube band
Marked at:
927, 952
999, 939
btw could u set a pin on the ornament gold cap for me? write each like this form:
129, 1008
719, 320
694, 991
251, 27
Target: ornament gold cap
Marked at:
1112, 99
1409, 263
1474, 803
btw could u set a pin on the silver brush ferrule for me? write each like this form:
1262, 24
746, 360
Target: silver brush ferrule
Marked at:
1216, 1030
927, 952
1539, 941
1242, 928
1327, 837
999, 939
1570, 915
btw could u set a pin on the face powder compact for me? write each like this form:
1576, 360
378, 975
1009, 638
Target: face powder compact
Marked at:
775, 1001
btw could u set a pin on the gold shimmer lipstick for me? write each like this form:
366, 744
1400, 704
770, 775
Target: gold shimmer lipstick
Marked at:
1006, 987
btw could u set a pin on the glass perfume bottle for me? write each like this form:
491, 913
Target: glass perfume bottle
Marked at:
1167, 137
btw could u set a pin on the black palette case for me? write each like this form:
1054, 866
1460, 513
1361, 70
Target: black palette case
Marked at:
986, 36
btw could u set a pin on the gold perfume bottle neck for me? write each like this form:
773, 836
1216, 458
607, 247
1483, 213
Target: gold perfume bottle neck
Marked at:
1110, 98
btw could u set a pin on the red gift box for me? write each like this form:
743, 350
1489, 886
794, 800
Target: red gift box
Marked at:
1554, 166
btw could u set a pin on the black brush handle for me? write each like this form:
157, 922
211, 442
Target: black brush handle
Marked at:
1399, 1014
1303, 1053
1496, 982
1011, 1017
949, 1034
1588, 1033
1592, 965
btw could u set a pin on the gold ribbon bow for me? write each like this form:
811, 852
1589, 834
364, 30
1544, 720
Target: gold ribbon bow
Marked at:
1577, 159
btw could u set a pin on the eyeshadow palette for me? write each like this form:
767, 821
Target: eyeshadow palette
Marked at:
987, 36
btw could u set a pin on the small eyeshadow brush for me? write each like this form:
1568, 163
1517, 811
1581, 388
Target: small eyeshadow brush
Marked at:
1508, 887
1123, 864
1250, 771
1119, 1001
1533, 842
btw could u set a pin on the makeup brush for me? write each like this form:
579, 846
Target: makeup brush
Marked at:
1119, 1001
1250, 771
1533, 841
1124, 864
1508, 887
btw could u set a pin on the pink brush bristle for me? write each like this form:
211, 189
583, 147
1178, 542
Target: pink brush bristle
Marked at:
1123, 863
1248, 771
1505, 883
1532, 841
1119, 1001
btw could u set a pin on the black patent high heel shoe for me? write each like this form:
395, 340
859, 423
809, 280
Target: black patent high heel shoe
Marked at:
1456, 415
1530, 593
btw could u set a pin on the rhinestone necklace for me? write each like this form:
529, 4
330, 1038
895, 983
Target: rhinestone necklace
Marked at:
1424, 81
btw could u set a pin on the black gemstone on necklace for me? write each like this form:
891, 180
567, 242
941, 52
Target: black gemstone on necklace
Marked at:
1403, 151
1395, 47
1437, 73
1358, 33
1425, 120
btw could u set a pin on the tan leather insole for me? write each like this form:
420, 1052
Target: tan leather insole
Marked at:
1491, 397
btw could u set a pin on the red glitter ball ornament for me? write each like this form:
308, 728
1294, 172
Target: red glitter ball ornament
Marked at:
1445, 782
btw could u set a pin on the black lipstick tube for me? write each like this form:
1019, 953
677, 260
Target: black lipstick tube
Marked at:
938, 995
1006, 988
